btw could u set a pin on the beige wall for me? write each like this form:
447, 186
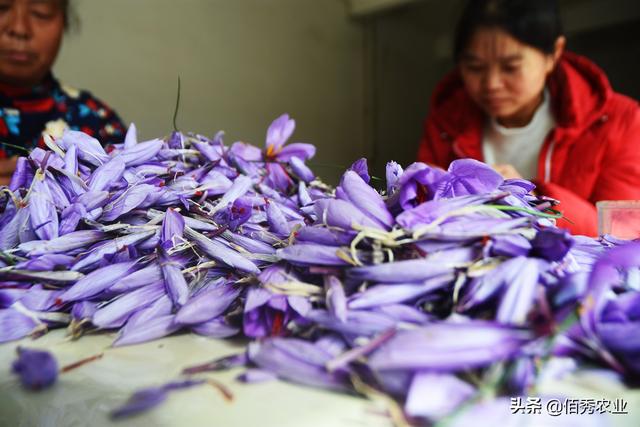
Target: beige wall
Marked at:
241, 62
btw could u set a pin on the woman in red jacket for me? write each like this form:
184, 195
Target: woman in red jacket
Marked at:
521, 103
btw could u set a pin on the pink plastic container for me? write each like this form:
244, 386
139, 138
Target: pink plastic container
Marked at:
619, 218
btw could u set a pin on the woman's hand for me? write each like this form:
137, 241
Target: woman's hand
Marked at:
7, 166
507, 171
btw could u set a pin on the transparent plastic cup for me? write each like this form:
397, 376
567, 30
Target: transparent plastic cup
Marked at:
619, 218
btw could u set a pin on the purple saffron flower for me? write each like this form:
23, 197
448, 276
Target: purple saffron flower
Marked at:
519, 298
468, 176
304, 198
324, 236
407, 271
148, 398
253, 376
523, 376
475, 226
552, 244
71, 217
278, 134
131, 137
449, 347
115, 314
251, 245
344, 214
382, 294
66, 243
610, 323
402, 313
110, 247
301, 170
358, 322
239, 188
140, 153
44, 159
312, 254
89, 148
151, 329
485, 287
129, 200
215, 328
336, 299
93, 199
215, 183
435, 395
172, 228
277, 222
277, 177
10, 233
33, 298
208, 304
143, 277
393, 172
429, 211
22, 176
417, 184
295, 360
235, 214
360, 167
37, 369
15, 325
106, 175
355, 190
269, 314
175, 282
163, 306
509, 245
56, 191
47, 262
83, 310
221, 252
97, 281
212, 152
44, 218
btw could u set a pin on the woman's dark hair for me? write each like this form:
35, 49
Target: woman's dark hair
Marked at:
71, 20
533, 22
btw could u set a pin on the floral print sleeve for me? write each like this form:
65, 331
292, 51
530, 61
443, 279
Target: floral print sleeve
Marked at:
52, 107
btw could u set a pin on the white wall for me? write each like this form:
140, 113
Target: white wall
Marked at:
241, 62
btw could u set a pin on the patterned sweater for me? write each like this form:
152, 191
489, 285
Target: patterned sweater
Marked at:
51, 107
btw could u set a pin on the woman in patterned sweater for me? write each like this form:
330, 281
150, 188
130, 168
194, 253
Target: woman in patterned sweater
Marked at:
32, 101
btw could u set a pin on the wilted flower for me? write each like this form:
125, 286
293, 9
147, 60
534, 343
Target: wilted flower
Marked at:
269, 314
37, 369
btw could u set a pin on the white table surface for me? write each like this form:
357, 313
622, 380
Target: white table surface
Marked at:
86, 395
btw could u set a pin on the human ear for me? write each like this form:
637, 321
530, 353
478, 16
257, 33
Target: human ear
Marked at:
558, 48
553, 58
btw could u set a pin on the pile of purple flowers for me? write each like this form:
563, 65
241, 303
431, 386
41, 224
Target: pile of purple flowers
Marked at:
439, 287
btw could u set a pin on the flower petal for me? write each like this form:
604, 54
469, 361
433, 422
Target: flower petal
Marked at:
435, 395
207, 305
97, 281
449, 347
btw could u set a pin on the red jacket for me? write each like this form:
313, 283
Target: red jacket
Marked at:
592, 154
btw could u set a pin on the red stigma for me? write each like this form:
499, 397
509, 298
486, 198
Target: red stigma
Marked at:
278, 323
422, 193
